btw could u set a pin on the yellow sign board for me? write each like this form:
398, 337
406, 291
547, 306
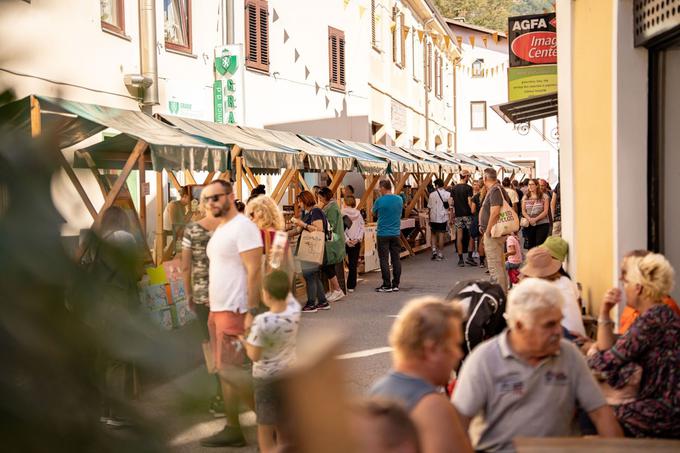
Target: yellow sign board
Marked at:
528, 81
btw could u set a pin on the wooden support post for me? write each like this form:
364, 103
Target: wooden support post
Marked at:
337, 180
399, 186
303, 183
208, 179
247, 180
253, 178
368, 193
282, 185
141, 167
189, 177
174, 181
239, 177
36, 118
422, 186
448, 179
279, 185
36, 131
160, 239
138, 151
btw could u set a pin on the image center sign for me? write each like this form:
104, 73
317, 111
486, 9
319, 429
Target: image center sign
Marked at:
532, 47
228, 93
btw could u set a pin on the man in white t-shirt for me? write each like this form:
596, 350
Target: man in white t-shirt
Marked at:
439, 206
235, 254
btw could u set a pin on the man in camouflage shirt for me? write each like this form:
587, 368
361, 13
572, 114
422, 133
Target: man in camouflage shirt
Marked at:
195, 272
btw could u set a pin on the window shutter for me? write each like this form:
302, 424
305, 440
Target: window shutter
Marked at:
264, 33
336, 59
428, 66
341, 58
402, 38
374, 41
251, 32
394, 34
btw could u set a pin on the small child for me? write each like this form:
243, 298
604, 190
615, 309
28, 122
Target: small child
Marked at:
513, 256
271, 347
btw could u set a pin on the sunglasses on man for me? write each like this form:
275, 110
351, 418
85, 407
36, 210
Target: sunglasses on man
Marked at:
213, 198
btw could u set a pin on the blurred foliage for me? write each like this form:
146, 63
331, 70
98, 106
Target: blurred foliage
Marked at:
491, 13
51, 390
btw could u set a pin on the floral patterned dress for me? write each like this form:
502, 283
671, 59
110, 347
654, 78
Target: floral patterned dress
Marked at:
653, 343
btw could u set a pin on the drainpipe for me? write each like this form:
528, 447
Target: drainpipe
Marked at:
455, 109
425, 79
229, 21
147, 51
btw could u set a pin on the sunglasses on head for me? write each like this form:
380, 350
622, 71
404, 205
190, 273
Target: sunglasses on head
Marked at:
214, 198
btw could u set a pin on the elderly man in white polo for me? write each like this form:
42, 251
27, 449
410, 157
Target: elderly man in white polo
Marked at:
527, 381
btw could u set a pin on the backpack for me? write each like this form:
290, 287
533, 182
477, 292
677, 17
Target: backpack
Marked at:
483, 305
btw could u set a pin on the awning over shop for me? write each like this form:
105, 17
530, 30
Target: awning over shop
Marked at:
498, 162
427, 163
529, 109
366, 162
109, 154
257, 153
75, 121
399, 162
317, 157
448, 163
476, 163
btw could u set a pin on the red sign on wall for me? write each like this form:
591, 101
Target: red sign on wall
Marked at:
532, 39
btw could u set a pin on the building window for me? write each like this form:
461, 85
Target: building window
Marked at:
257, 34
336, 59
113, 15
478, 68
428, 67
177, 15
398, 38
438, 86
414, 54
478, 115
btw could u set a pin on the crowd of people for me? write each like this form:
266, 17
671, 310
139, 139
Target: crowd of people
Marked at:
528, 369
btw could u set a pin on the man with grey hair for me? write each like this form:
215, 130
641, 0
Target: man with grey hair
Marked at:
488, 217
527, 381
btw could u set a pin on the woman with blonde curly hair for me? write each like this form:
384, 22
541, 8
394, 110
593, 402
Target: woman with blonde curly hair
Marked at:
652, 342
265, 213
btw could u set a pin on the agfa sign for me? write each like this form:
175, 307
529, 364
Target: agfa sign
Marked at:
228, 93
532, 40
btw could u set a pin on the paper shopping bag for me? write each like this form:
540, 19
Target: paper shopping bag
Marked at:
311, 246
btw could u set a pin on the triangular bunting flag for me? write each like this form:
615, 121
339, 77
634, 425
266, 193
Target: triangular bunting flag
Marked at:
495, 37
285, 36
306, 73
459, 40
275, 16
406, 30
420, 34
447, 41
297, 55
362, 11
316, 88
393, 26
327, 101
346, 2
485, 40
472, 40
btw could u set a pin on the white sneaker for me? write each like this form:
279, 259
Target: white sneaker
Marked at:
350, 290
329, 295
335, 296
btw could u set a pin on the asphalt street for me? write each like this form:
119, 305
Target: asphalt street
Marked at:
179, 408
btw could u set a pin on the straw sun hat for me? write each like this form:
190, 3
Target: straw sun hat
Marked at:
540, 263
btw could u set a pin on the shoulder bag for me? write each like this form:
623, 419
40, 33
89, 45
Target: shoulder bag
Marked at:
508, 222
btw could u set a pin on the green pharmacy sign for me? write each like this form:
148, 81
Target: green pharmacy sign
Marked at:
228, 85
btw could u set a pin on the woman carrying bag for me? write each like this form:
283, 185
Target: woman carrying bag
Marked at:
313, 220
335, 247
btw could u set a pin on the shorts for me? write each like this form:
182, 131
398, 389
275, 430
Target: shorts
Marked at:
329, 271
464, 222
224, 328
268, 401
438, 227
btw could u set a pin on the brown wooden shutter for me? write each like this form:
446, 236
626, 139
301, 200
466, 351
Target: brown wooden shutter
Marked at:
394, 34
336, 59
257, 34
428, 67
264, 33
402, 37
373, 32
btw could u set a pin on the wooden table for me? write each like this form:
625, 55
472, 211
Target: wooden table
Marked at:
593, 444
